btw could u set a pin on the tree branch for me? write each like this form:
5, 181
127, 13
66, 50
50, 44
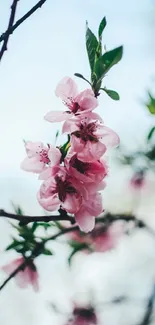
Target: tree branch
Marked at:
106, 219
10, 24
5, 36
149, 309
24, 220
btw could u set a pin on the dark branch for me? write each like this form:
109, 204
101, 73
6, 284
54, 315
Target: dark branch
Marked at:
21, 20
149, 309
10, 24
24, 220
107, 220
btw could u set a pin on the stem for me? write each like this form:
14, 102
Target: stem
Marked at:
10, 24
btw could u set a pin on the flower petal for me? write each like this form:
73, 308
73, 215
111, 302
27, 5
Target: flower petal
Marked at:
55, 116
66, 88
85, 220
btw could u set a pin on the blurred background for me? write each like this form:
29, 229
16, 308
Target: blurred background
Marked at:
47, 47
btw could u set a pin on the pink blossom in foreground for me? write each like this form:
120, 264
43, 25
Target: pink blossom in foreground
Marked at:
86, 171
77, 103
89, 209
83, 316
39, 156
26, 277
61, 191
89, 138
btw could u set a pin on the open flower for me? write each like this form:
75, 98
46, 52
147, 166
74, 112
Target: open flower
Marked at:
27, 276
89, 138
77, 103
62, 191
86, 171
39, 156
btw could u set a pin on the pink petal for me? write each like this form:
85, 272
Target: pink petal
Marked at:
107, 136
70, 125
10, 267
85, 220
54, 155
72, 203
50, 203
33, 147
91, 151
32, 165
55, 116
66, 88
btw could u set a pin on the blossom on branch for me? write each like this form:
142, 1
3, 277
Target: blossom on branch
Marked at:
26, 276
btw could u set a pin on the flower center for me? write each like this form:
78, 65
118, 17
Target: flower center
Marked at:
44, 156
79, 165
63, 187
86, 132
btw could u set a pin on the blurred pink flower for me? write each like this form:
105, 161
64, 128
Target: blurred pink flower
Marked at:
24, 278
39, 156
89, 138
138, 181
83, 316
77, 103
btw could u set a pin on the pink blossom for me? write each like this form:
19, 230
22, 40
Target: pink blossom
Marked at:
138, 181
83, 316
24, 278
62, 191
86, 171
89, 138
89, 209
103, 241
77, 103
39, 156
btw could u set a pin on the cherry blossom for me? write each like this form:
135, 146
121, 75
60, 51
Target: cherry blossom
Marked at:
77, 103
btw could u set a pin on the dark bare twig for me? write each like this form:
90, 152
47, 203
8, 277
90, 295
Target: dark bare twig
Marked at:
21, 20
149, 309
10, 24
106, 219
28, 219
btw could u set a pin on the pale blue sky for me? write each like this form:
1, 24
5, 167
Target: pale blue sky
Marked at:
50, 45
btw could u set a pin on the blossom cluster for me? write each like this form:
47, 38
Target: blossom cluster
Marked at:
72, 179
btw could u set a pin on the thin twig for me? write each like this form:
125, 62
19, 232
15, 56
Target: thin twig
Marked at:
21, 20
10, 24
149, 309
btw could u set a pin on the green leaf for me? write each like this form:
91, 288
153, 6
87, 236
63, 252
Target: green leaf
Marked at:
46, 251
14, 245
34, 226
64, 148
151, 104
79, 247
150, 134
91, 46
111, 93
79, 75
107, 61
101, 27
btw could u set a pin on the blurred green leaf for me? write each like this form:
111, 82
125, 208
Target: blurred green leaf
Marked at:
76, 249
107, 61
111, 93
91, 46
150, 134
79, 75
46, 251
101, 27
151, 104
